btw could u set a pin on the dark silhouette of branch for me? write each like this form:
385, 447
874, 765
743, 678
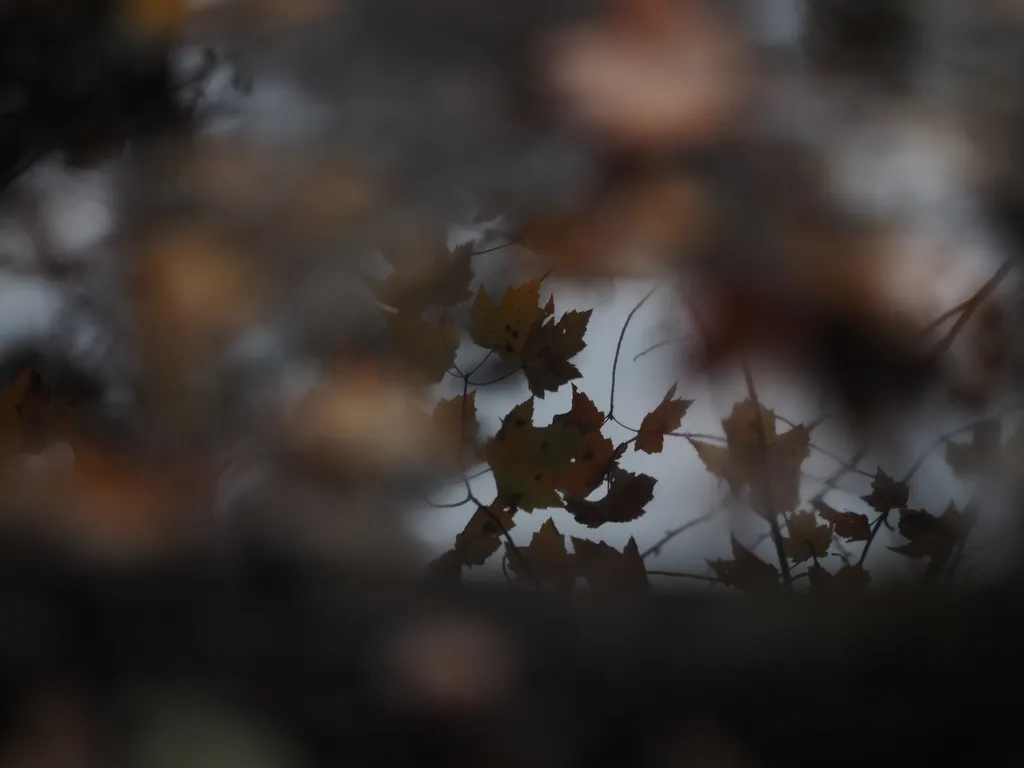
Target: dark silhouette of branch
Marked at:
618, 347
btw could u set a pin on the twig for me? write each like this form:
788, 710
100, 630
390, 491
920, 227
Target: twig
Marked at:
670, 534
970, 307
659, 345
618, 347
762, 439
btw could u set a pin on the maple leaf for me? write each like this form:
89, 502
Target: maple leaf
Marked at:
968, 460
607, 569
505, 328
440, 279
628, 494
851, 526
930, 536
667, 417
774, 478
848, 581
887, 493
588, 470
447, 568
546, 559
526, 459
548, 349
807, 539
428, 346
746, 571
482, 535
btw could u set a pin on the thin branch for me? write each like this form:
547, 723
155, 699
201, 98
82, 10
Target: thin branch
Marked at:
670, 534
446, 505
971, 306
660, 344
841, 472
618, 347
762, 439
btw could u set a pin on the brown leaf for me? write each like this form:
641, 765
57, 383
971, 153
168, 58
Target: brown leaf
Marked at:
483, 534
851, 526
887, 493
607, 569
746, 571
505, 327
527, 459
771, 469
807, 539
549, 348
627, 496
667, 417
930, 536
437, 278
588, 470
428, 346
546, 559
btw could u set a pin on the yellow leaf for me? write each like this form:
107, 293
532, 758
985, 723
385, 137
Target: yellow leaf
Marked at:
482, 535
807, 539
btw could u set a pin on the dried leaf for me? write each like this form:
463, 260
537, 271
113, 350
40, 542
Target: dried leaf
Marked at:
667, 417
527, 459
546, 559
427, 346
548, 349
505, 327
588, 470
887, 493
607, 569
483, 534
807, 539
930, 536
440, 279
628, 494
746, 571
851, 526
455, 427
771, 470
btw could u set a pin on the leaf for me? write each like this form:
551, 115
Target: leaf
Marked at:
807, 539
440, 279
968, 460
527, 459
771, 470
667, 417
628, 494
505, 328
549, 348
546, 559
588, 470
607, 569
716, 459
887, 493
848, 525
848, 581
930, 536
427, 346
482, 535
746, 571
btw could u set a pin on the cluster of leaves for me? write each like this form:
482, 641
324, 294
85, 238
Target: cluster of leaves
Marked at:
565, 463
